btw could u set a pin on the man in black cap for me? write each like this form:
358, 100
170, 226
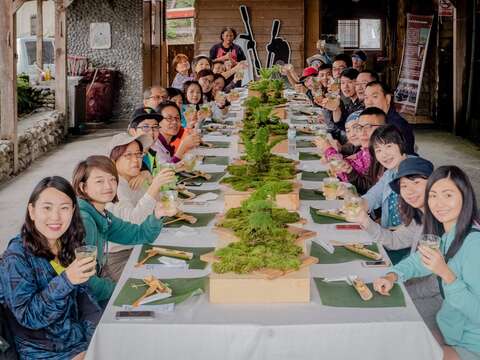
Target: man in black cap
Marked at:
359, 58
145, 121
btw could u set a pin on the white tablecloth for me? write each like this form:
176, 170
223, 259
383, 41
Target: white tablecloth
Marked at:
199, 330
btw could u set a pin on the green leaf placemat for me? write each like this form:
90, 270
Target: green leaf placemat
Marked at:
203, 219
300, 132
218, 144
340, 294
304, 144
304, 156
340, 255
311, 194
314, 176
215, 160
298, 121
182, 289
216, 176
320, 219
200, 192
195, 263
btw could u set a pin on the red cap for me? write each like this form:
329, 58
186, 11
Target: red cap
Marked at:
309, 71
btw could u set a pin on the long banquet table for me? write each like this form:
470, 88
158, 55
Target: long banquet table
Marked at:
197, 329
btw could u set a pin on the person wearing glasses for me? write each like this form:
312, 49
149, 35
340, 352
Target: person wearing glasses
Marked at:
368, 121
173, 141
152, 97
133, 205
145, 122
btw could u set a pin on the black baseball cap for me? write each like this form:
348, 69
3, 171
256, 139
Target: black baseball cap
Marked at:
411, 166
143, 113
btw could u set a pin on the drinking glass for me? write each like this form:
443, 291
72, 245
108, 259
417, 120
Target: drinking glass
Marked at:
431, 241
190, 160
352, 205
173, 183
86, 251
169, 200
330, 187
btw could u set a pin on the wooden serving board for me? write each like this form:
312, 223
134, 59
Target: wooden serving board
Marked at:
234, 199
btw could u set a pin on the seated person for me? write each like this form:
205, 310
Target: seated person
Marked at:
175, 95
388, 147
95, 181
364, 77
134, 204
192, 107
181, 64
451, 214
153, 96
48, 304
378, 94
144, 121
199, 63
173, 140
369, 120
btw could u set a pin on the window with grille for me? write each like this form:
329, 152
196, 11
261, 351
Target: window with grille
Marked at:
360, 33
348, 33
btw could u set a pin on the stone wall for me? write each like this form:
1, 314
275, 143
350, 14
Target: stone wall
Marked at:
41, 133
125, 55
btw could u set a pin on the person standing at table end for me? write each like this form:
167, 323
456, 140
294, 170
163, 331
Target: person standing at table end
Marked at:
226, 50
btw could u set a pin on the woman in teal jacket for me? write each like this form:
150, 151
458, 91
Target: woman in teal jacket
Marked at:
450, 212
95, 182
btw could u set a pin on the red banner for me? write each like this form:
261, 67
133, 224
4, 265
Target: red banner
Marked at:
413, 63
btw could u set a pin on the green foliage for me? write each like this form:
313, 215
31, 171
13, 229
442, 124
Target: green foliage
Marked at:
264, 241
270, 88
257, 116
28, 98
260, 165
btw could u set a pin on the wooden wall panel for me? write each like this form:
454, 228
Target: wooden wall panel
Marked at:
213, 15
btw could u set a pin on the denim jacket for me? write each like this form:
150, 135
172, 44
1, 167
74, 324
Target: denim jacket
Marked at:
50, 317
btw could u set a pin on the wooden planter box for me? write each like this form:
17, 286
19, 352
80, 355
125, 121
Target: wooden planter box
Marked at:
280, 112
234, 288
261, 287
254, 93
281, 147
289, 201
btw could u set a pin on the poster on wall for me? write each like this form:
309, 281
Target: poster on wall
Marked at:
413, 63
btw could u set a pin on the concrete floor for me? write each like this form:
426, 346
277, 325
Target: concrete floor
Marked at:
440, 147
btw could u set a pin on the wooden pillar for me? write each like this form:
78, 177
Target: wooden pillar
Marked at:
312, 26
61, 60
460, 24
163, 45
147, 44
8, 76
157, 43
401, 37
40, 34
